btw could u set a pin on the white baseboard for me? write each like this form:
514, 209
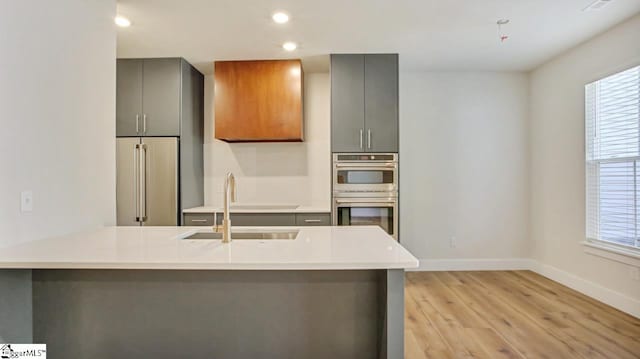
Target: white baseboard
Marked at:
433, 265
615, 299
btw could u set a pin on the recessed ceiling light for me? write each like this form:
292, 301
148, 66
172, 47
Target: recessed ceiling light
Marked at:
280, 17
289, 46
122, 21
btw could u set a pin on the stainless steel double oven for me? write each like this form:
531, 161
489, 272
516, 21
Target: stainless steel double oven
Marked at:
365, 190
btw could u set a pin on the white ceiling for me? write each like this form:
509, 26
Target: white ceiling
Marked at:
428, 34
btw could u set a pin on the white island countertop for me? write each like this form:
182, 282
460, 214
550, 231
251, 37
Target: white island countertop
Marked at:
315, 248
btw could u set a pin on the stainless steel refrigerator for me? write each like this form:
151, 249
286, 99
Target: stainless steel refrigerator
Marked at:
147, 181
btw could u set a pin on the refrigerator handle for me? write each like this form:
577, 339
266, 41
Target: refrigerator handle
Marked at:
136, 181
143, 182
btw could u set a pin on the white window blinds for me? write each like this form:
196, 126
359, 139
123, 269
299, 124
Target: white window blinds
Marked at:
612, 115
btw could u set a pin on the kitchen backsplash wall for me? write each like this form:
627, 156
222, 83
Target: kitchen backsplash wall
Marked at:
278, 172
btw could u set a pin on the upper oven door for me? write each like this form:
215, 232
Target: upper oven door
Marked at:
353, 177
365, 177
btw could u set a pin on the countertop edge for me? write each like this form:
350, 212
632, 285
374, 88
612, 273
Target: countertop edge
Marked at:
204, 266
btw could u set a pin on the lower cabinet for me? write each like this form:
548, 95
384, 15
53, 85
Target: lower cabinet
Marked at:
260, 219
313, 219
198, 219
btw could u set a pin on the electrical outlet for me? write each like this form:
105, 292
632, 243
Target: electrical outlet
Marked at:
635, 273
453, 242
26, 201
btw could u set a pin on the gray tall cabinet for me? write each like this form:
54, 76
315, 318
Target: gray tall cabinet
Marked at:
364, 103
164, 97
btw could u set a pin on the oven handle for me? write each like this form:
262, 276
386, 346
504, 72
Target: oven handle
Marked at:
366, 165
366, 202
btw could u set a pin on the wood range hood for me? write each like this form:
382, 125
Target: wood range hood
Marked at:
258, 101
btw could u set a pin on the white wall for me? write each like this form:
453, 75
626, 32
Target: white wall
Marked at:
57, 113
463, 164
557, 155
274, 173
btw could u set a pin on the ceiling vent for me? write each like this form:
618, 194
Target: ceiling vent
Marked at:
597, 5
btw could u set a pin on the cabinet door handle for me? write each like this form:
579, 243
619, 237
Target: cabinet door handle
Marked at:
369, 138
312, 220
144, 123
136, 180
199, 220
361, 131
137, 123
143, 182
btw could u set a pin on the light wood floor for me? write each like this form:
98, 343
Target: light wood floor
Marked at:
511, 314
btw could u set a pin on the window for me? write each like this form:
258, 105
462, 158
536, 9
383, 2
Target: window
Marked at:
612, 115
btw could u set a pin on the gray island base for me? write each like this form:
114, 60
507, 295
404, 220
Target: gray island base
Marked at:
105, 313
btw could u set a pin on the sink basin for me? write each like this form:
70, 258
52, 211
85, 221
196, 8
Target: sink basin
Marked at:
263, 206
245, 235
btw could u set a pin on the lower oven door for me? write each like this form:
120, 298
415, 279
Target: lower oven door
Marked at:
381, 212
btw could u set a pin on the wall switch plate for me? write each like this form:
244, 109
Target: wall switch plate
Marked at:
26, 201
453, 242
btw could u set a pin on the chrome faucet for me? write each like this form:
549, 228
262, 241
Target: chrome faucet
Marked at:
229, 196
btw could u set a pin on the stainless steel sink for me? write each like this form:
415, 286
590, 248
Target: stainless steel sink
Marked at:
266, 235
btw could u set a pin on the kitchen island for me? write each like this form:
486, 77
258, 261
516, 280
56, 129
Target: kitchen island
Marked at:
330, 292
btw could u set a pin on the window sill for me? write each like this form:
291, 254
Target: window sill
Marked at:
615, 253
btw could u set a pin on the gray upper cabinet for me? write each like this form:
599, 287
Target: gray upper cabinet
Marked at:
128, 97
381, 102
347, 103
161, 97
148, 97
364, 103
